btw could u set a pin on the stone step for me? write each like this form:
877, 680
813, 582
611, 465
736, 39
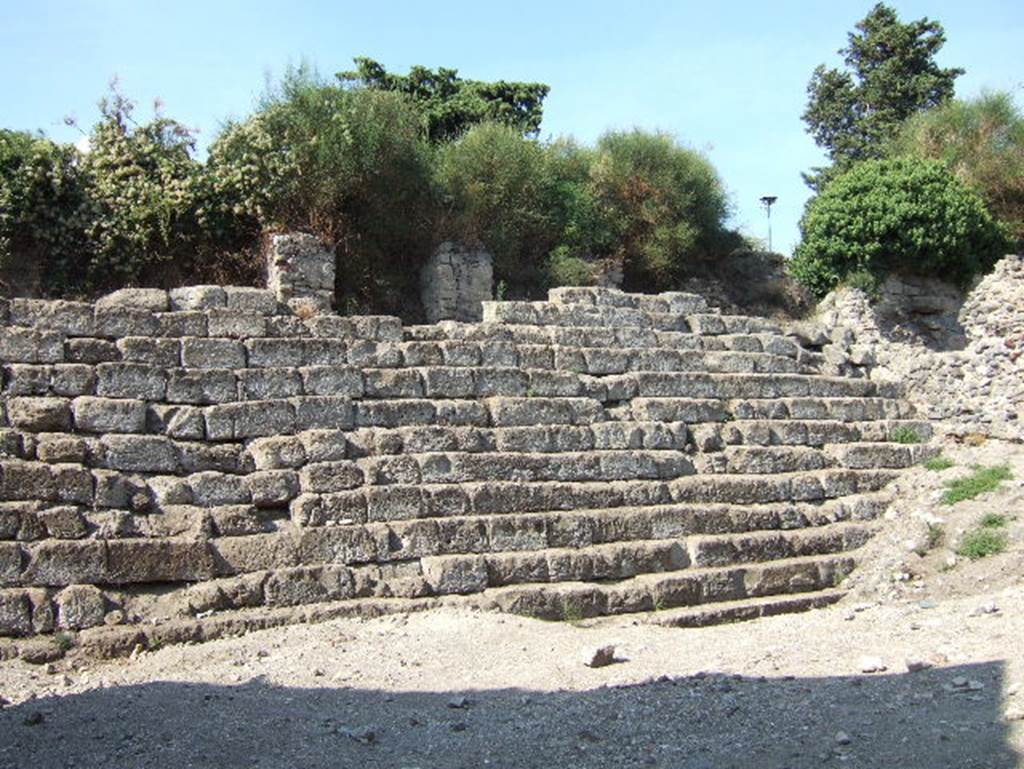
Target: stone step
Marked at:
410, 501
668, 302
841, 409
461, 534
555, 314
746, 386
744, 609
468, 343
464, 574
656, 592
795, 432
759, 460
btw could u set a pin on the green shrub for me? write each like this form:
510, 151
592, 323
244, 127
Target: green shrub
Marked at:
501, 193
980, 543
993, 521
666, 205
895, 216
980, 140
350, 166
981, 481
42, 210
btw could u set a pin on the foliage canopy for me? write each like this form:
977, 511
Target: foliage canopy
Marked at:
890, 75
891, 216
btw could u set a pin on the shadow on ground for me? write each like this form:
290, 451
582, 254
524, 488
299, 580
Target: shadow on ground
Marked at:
713, 721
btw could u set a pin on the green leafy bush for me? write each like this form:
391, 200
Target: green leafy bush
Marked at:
42, 210
895, 216
981, 141
500, 193
350, 166
665, 203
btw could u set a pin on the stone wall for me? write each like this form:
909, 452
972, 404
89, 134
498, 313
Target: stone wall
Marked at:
959, 357
455, 282
212, 449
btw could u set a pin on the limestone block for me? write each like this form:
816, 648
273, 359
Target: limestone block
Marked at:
301, 271
80, 607
180, 324
455, 282
325, 477
91, 351
40, 414
181, 422
158, 560
264, 384
290, 587
70, 318
109, 415
251, 419
325, 445
152, 299
63, 522
201, 387
197, 298
117, 321
278, 353
71, 379
455, 574
25, 345
56, 563
211, 488
332, 380
255, 301
393, 383
212, 353
131, 380
140, 453
234, 324
273, 488
323, 412
143, 349
10, 563
15, 613
279, 452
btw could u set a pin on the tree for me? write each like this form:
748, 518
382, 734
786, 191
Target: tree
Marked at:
890, 75
903, 215
981, 141
450, 104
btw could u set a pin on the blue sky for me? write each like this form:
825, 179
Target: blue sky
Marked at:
728, 79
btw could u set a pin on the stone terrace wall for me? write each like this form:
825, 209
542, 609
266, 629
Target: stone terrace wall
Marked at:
959, 358
177, 453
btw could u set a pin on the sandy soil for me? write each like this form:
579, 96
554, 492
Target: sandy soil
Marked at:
448, 688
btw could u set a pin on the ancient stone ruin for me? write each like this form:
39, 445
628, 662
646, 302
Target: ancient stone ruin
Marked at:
186, 463
455, 282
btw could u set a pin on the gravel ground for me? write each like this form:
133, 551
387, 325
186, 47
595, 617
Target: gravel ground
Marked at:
451, 688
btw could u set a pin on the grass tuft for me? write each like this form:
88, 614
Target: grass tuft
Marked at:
981, 542
939, 463
906, 435
993, 521
982, 480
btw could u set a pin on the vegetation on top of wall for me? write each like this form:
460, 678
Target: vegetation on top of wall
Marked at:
980, 140
895, 216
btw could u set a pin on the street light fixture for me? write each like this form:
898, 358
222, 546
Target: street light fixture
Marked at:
767, 202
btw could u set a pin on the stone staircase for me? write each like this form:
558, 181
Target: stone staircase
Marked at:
208, 450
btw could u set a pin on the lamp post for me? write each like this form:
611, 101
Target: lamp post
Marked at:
767, 202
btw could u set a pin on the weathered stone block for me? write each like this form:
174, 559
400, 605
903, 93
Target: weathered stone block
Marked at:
212, 353
69, 318
302, 585
448, 382
273, 488
210, 489
152, 299
63, 522
278, 452
455, 574
72, 379
181, 422
276, 353
343, 507
11, 561
237, 325
202, 387
25, 345
140, 453
109, 415
131, 380
264, 384
115, 321
455, 282
324, 477
393, 383
169, 490
90, 351
158, 560
394, 503
300, 271
57, 563
251, 419
325, 445
197, 298
255, 301
144, 349
180, 324
323, 412
15, 613
332, 380
80, 607
39, 414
